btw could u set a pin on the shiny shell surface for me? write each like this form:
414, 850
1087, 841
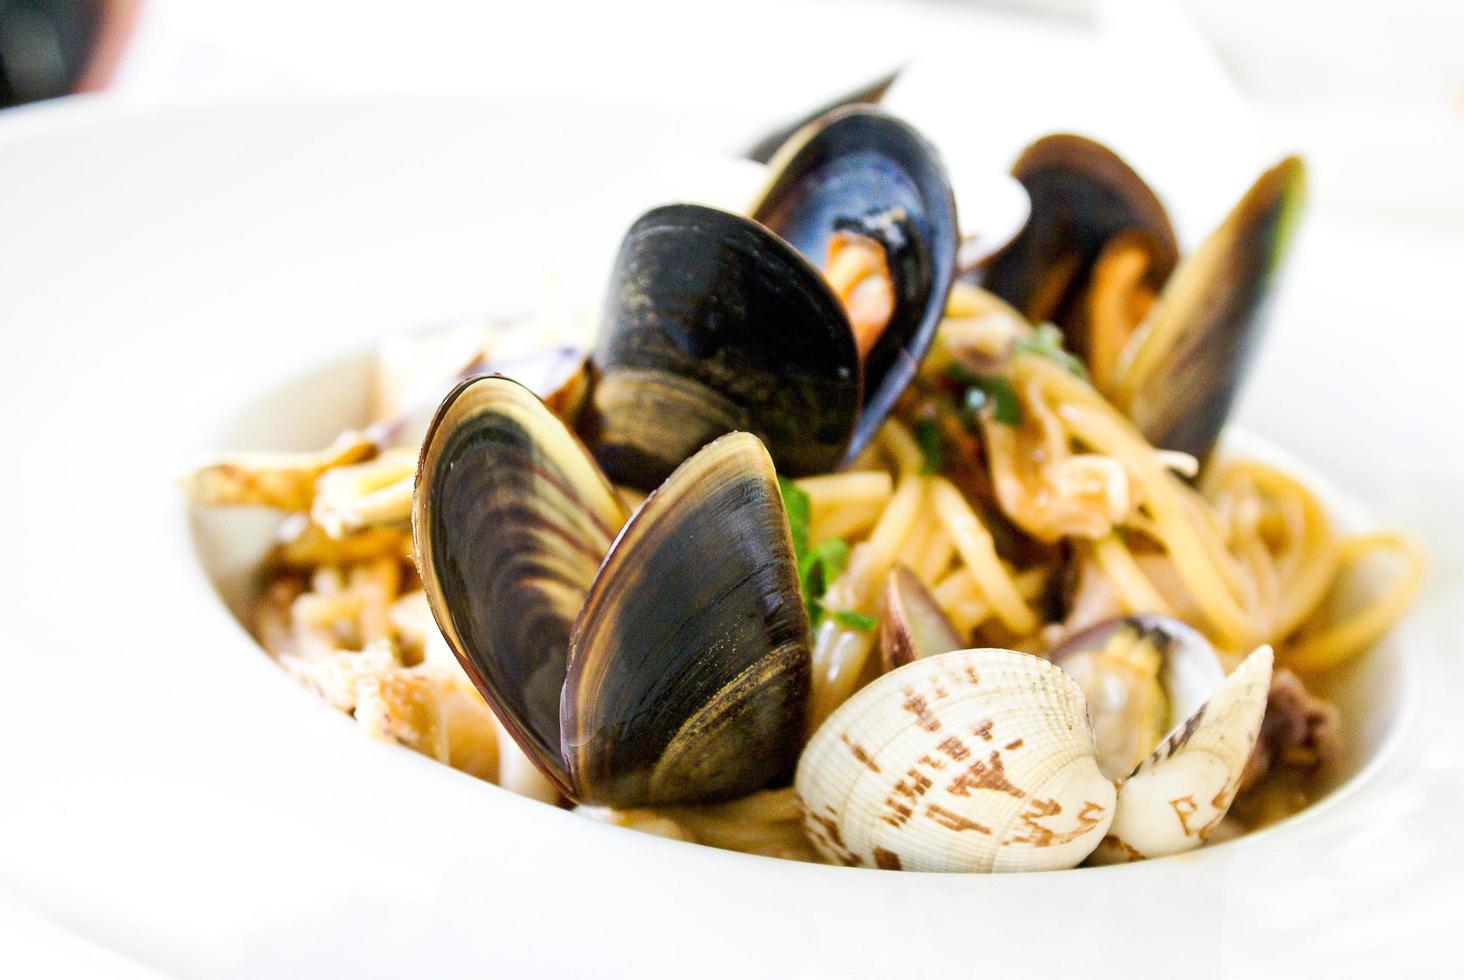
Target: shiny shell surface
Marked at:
712, 325
1181, 792
852, 165
689, 664
1187, 360
912, 625
974, 760
511, 519
1083, 196
1130, 708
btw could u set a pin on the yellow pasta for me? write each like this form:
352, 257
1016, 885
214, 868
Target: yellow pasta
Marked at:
1134, 588
976, 548
1029, 529
846, 505
896, 440
935, 557
1332, 644
838, 490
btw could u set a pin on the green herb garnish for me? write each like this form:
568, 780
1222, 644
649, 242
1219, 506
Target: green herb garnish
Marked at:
818, 566
854, 620
796, 503
1046, 340
993, 390
997, 391
927, 434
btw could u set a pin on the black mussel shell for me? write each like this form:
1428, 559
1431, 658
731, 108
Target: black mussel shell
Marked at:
860, 168
1187, 361
869, 94
1083, 195
714, 325
689, 665
511, 519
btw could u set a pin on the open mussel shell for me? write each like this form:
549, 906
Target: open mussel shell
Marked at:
1142, 675
689, 664
912, 624
1186, 362
560, 376
1126, 277
714, 325
511, 519
974, 760
1180, 793
1083, 196
862, 169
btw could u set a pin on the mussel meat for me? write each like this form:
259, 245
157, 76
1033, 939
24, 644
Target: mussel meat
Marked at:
1178, 376
1166, 341
1089, 208
862, 176
1142, 676
717, 323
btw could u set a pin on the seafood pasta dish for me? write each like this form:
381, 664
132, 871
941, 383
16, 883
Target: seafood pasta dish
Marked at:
842, 541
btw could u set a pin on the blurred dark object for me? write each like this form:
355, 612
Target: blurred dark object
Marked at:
50, 48
869, 94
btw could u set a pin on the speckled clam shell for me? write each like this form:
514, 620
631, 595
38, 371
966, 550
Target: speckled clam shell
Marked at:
1180, 793
975, 760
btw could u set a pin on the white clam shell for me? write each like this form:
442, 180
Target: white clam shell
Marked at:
1190, 672
1181, 791
976, 760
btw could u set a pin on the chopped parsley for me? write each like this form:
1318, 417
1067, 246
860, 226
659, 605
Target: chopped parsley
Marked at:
796, 503
854, 620
818, 565
982, 390
927, 434
993, 390
1046, 340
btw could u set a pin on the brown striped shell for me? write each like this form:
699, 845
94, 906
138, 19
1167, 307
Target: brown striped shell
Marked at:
984, 760
665, 664
511, 519
975, 760
912, 624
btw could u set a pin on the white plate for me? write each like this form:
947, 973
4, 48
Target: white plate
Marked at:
168, 792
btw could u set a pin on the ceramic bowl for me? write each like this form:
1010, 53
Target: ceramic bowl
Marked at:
196, 280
